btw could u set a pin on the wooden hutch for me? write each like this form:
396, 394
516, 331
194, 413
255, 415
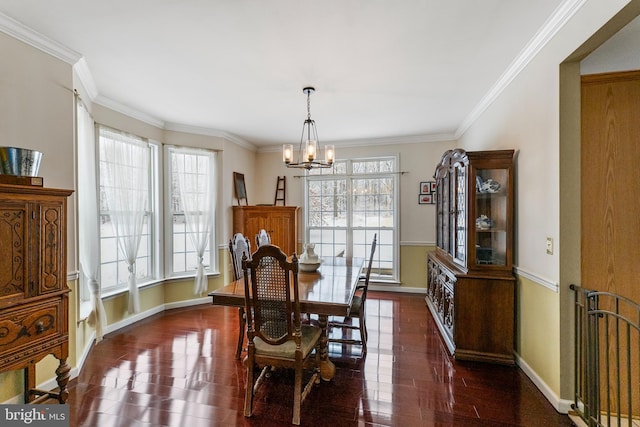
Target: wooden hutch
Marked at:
471, 286
281, 222
34, 302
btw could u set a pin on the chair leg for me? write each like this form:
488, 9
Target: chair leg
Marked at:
363, 332
297, 395
242, 325
248, 395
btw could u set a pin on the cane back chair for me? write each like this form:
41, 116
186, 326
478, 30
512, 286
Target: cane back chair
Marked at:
263, 238
275, 335
239, 245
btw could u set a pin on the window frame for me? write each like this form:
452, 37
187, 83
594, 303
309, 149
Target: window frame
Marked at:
154, 218
212, 268
349, 177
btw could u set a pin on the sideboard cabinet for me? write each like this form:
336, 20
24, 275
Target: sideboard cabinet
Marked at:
34, 306
471, 286
281, 222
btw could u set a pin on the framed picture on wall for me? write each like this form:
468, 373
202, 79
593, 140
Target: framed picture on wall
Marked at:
241, 189
427, 194
426, 199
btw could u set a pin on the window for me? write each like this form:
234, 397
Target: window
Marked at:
134, 159
190, 178
348, 204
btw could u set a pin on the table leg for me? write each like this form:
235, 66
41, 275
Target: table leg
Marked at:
327, 368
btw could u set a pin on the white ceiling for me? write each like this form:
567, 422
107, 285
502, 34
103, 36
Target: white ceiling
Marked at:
381, 69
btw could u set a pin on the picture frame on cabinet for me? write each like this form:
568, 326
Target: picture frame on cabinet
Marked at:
240, 188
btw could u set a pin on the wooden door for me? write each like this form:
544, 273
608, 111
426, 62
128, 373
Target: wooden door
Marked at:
610, 180
610, 207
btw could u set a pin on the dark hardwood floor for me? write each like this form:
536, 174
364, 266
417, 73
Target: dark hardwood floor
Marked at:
178, 369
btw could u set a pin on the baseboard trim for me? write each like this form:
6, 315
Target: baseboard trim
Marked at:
563, 406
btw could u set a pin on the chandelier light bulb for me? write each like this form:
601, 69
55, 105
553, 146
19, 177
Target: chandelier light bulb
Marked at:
287, 153
312, 147
330, 154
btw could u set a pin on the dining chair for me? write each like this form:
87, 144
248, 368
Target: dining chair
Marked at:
276, 338
357, 309
263, 238
239, 245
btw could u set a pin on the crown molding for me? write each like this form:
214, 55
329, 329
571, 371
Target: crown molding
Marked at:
25, 34
177, 127
86, 78
368, 142
128, 111
549, 29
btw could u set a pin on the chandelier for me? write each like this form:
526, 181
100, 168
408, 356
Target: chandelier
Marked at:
307, 154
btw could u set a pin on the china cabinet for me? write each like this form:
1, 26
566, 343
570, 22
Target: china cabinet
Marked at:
34, 306
470, 289
281, 222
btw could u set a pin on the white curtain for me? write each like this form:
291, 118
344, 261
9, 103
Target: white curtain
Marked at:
194, 172
88, 225
125, 179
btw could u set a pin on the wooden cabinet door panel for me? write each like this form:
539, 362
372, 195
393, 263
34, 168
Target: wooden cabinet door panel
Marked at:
52, 269
281, 222
14, 232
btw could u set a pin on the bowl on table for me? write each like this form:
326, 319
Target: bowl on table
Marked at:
309, 267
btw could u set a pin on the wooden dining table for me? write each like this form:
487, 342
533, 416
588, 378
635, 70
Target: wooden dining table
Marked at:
326, 292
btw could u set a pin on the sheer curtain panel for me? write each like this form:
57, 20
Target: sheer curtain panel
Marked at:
194, 172
125, 177
88, 228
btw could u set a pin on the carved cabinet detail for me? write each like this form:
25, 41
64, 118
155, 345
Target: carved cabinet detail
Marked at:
34, 306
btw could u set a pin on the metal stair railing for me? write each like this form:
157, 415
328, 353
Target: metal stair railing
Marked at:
607, 359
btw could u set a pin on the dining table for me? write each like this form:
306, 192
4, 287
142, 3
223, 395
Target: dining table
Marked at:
328, 291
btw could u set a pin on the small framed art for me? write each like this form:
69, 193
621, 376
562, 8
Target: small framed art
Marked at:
427, 193
426, 199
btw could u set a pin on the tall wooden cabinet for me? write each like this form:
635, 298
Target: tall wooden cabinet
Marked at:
281, 222
471, 286
34, 307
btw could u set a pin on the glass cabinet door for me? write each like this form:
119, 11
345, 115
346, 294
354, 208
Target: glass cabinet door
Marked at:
460, 214
491, 216
445, 212
439, 214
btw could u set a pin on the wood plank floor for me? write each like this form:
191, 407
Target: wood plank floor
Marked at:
178, 369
